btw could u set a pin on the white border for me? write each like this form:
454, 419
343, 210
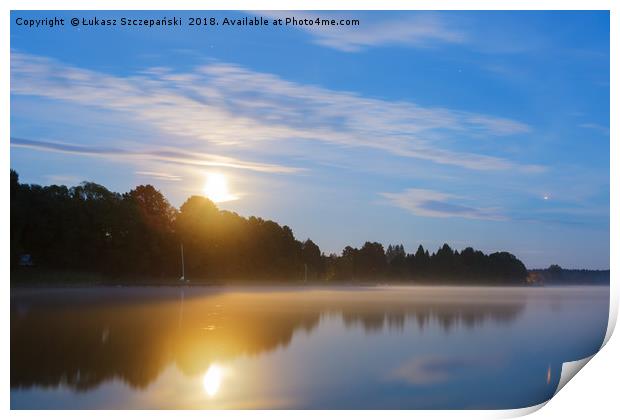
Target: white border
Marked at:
593, 393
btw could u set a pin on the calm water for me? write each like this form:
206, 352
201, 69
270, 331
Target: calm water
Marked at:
388, 347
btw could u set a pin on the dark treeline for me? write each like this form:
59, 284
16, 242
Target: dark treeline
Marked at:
139, 234
556, 275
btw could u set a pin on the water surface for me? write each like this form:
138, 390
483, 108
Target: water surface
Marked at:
324, 348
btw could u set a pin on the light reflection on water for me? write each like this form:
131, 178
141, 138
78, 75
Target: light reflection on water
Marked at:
212, 380
388, 347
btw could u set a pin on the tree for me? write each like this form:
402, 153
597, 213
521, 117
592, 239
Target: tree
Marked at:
371, 262
311, 256
397, 261
442, 262
418, 263
149, 233
196, 230
506, 267
90, 228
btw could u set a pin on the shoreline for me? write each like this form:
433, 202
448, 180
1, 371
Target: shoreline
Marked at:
39, 279
267, 285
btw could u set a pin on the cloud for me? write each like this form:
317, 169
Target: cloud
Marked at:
161, 176
229, 107
429, 203
419, 31
596, 127
428, 370
163, 155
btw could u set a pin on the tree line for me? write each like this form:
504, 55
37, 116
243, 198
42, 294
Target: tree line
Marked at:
556, 275
139, 233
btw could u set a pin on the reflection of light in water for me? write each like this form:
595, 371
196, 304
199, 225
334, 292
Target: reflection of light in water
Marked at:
212, 380
105, 334
549, 374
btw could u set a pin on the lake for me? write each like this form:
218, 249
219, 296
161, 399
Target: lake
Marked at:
284, 347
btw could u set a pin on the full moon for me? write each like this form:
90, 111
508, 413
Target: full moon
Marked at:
216, 188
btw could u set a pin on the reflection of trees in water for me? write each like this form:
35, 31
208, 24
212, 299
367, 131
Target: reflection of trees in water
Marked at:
80, 339
447, 316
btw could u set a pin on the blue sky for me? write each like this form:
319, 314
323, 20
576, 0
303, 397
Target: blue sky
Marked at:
483, 129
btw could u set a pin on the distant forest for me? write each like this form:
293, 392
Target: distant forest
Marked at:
138, 234
558, 275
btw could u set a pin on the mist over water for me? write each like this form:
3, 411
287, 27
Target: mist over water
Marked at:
270, 347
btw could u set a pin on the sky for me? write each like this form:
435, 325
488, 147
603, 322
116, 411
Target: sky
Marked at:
483, 129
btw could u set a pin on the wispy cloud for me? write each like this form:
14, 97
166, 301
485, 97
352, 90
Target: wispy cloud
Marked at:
418, 31
160, 176
596, 127
163, 155
227, 106
429, 203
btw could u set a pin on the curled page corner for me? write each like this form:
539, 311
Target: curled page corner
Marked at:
613, 316
520, 412
570, 369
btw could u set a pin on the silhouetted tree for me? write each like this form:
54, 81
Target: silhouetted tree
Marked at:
149, 234
370, 261
139, 233
397, 261
311, 256
558, 275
